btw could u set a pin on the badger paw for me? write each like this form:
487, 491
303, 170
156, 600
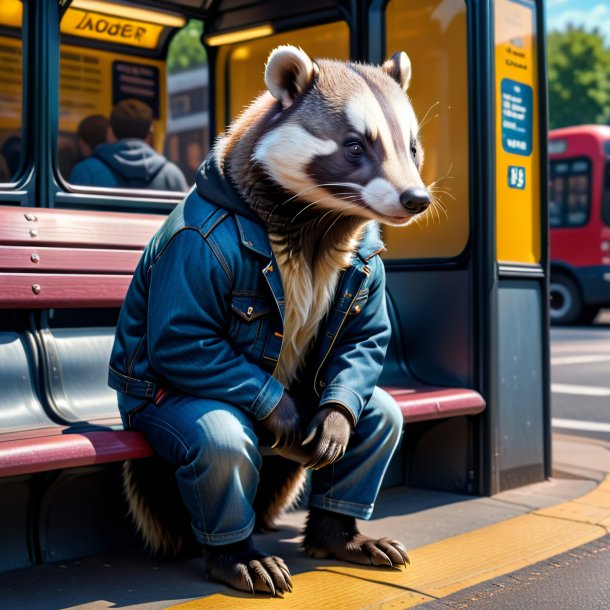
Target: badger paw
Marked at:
330, 534
242, 566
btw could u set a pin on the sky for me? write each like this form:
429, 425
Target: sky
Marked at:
588, 13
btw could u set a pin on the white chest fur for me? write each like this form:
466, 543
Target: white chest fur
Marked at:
309, 288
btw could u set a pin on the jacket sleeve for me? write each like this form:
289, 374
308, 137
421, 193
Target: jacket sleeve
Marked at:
187, 316
356, 359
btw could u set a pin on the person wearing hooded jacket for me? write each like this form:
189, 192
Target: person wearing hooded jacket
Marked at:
129, 162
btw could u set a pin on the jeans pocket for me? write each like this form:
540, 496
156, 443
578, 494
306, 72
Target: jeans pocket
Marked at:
129, 416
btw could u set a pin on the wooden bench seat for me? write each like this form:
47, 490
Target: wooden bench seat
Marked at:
55, 448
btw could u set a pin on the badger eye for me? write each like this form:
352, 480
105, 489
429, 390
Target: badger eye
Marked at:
354, 149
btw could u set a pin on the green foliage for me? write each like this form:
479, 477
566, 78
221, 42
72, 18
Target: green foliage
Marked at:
186, 50
579, 78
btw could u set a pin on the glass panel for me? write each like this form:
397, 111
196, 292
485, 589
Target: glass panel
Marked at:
127, 119
11, 90
243, 63
570, 193
433, 33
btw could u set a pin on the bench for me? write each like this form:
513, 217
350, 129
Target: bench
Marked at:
74, 259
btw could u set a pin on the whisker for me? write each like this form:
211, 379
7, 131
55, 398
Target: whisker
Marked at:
332, 224
423, 121
312, 204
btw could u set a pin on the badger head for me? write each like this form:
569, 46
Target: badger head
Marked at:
343, 137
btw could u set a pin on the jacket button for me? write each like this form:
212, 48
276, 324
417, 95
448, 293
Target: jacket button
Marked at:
322, 384
357, 309
250, 311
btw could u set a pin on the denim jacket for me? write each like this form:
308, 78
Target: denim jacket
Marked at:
205, 309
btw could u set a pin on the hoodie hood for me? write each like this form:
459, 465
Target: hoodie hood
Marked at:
214, 187
132, 159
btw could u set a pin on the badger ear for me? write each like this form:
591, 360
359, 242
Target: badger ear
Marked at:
399, 68
289, 72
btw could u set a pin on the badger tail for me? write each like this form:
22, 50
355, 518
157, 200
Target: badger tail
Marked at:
155, 506
281, 486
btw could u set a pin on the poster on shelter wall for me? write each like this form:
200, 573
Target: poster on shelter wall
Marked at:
517, 147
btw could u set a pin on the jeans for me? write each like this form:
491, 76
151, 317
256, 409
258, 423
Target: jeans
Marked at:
215, 449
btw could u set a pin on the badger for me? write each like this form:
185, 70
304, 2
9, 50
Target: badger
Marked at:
327, 152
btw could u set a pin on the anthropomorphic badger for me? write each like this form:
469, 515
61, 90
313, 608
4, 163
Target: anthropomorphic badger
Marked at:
257, 316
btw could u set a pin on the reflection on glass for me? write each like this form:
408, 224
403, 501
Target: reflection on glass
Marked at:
129, 118
11, 90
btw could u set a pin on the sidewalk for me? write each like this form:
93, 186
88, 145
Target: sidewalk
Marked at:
454, 541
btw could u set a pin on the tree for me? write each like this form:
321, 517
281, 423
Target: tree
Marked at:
579, 78
186, 50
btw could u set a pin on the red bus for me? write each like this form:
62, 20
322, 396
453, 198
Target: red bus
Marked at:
579, 219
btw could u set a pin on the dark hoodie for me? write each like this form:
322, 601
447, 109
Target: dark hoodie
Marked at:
129, 163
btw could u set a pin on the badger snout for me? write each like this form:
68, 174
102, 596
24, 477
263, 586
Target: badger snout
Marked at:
415, 200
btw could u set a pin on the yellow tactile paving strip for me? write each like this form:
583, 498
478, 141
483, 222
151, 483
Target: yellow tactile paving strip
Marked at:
441, 568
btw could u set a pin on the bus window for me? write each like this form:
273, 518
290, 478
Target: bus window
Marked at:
242, 64
606, 196
11, 90
433, 33
130, 117
569, 193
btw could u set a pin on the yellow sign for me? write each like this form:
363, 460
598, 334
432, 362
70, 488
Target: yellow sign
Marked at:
106, 28
11, 13
517, 146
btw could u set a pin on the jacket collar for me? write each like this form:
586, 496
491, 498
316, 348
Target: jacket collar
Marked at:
214, 187
253, 236
371, 243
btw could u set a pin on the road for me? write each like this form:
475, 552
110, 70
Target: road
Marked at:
580, 379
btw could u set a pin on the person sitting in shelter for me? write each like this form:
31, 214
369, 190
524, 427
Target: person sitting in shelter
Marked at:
91, 132
130, 161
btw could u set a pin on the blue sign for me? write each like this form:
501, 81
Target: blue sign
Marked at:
516, 177
516, 117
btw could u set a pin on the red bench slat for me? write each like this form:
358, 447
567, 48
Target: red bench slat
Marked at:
39, 290
42, 453
76, 228
422, 403
37, 259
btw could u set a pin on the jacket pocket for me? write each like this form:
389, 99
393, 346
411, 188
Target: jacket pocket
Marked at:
250, 323
250, 307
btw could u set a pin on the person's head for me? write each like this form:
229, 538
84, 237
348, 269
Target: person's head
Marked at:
131, 119
92, 131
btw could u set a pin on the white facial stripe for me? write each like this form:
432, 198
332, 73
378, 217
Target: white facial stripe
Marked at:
286, 151
366, 117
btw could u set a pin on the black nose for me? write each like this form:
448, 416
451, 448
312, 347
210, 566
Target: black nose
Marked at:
415, 200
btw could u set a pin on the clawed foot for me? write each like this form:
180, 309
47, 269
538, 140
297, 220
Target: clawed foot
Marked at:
242, 566
333, 535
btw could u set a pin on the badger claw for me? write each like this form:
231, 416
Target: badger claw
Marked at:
333, 535
244, 567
